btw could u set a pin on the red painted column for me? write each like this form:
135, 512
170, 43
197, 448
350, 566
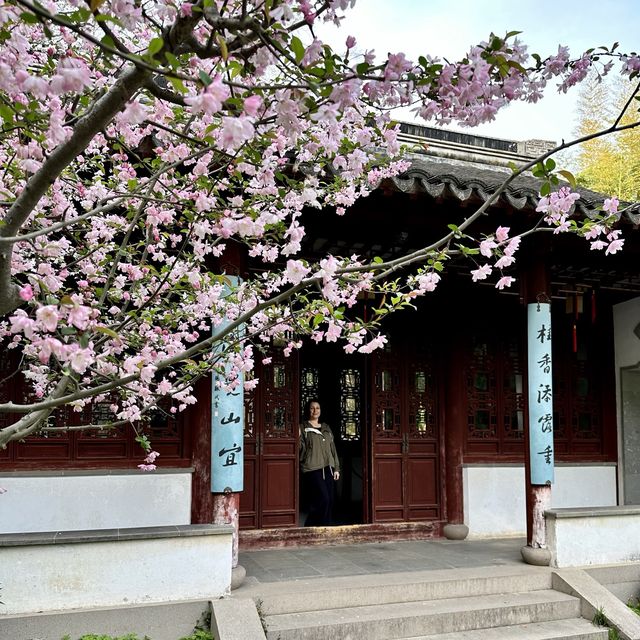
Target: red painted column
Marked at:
454, 426
536, 286
198, 419
226, 509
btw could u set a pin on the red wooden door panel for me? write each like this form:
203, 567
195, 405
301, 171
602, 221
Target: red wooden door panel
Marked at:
270, 496
405, 464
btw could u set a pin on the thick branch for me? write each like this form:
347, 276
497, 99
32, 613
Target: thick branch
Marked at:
103, 111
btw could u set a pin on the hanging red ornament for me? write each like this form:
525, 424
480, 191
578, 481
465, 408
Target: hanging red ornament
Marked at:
575, 337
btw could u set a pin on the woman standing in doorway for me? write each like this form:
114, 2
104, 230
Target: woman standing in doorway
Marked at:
319, 465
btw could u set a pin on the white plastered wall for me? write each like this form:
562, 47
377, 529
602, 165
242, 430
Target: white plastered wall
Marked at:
71, 501
494, 499
50, 577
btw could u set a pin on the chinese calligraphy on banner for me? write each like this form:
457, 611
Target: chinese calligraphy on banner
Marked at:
227, 432
540, 393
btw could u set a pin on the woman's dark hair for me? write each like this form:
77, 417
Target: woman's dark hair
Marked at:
307, 407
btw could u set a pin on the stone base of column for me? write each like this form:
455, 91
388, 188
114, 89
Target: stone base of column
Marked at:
453, 531
238, 574
536, 556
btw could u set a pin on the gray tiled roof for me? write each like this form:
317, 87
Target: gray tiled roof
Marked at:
465, 180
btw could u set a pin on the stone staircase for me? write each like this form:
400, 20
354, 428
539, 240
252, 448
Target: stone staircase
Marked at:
501, 603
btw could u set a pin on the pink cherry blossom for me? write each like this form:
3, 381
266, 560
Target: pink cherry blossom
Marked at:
48, 316
296, 271
610, 205
211, 99
614, 246
505, 281
26, 292
235, 132
487, 246
482, 273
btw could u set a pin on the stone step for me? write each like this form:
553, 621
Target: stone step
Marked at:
407, 619
377, 589
570, 629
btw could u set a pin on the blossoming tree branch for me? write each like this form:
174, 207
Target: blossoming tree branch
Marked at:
140, 138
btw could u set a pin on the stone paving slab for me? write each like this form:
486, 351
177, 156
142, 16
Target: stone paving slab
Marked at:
275, 565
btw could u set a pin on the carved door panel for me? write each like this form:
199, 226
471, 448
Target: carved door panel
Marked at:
270, 496
405, 452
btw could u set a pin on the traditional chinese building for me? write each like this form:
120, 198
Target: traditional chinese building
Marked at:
430, 430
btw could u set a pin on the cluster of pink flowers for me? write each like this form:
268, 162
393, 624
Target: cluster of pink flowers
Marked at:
149, 462
502, 248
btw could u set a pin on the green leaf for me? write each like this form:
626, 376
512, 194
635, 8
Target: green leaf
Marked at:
545, 189
222, 43
177, 84
154, 46
377, 260
6, 113
550, 164
205, 78
29, 18
172, 60
298, 48
143, 441
109, 332
569, 177
108, 41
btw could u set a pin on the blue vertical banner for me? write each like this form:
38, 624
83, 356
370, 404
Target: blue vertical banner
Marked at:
227, 428
540, 393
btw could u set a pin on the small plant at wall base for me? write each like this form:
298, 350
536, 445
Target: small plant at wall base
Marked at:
600, 620
634, 607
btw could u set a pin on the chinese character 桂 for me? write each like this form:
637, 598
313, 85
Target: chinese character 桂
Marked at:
544, 334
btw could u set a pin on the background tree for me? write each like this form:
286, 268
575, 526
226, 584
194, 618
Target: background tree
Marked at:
139, 138
612, 164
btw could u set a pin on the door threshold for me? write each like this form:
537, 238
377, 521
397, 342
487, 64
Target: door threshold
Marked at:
343, 534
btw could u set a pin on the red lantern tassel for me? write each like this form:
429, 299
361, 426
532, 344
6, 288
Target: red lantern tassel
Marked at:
593, 307
575, 338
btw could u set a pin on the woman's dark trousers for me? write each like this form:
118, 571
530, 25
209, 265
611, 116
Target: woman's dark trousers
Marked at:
319, 488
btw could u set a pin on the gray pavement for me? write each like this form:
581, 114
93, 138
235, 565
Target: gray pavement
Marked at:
325, 561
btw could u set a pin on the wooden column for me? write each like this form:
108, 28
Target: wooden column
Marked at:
198, 419
454, 425
536, 286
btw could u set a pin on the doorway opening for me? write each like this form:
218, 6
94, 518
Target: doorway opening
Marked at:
338, 381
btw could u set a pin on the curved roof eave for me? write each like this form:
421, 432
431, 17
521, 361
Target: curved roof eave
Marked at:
466, 180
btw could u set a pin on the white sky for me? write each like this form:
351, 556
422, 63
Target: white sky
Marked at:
447, 28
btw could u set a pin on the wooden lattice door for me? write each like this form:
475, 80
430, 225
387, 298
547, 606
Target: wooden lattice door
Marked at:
270, 495
405, 450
